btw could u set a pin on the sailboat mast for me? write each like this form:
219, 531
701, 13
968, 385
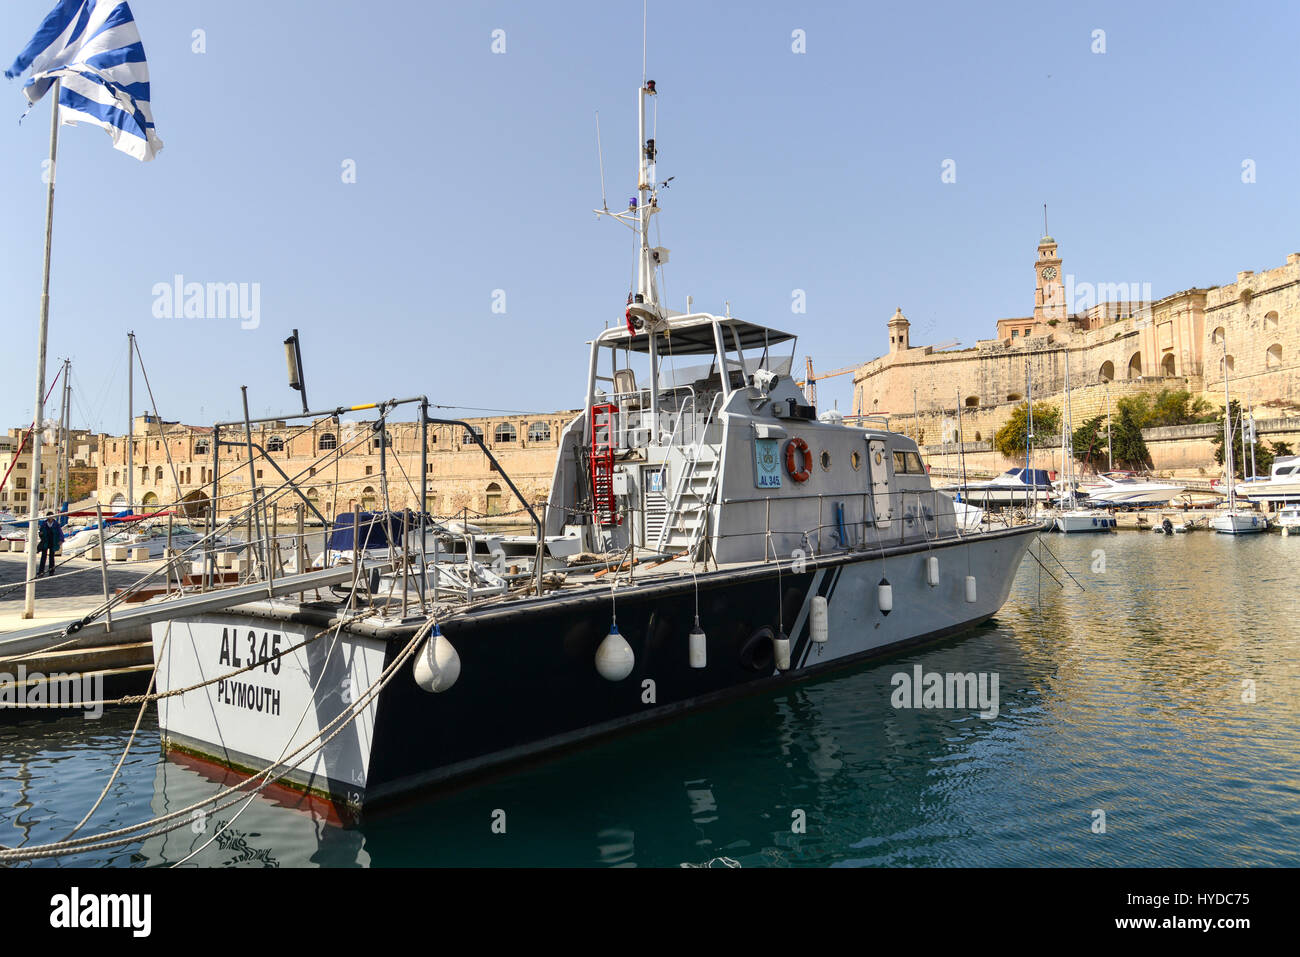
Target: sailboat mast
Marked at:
130, 422
65, 423
1227, 431
1067, 460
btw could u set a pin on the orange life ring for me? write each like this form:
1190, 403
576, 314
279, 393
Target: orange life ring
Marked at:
801, 473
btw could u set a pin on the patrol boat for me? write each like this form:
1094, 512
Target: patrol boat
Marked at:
733, 541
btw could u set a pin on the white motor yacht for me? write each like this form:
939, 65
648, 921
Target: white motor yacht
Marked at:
1130, 491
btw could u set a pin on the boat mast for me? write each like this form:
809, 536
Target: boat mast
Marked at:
647, 292
1067, 456
61, 491
130, 422
1227, 431
1030, 488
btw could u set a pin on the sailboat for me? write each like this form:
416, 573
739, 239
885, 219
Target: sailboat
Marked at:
1072, 517
1234, 521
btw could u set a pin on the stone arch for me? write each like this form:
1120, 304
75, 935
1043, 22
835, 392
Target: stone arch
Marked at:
119, 501
1107, 371
1273, 357
1218, 335
1270, 319
150, 500
1014, 396
972, 401
1167, 367
1135, 366
1229, 363
195, 504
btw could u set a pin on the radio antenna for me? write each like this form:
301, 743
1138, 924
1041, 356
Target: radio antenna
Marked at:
600, 157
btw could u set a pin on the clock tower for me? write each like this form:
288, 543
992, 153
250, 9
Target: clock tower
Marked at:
1049, 292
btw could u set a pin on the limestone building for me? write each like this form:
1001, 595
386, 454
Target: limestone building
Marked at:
1119, 340
337, 464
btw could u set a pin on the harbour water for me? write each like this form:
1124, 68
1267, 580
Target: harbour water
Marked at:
1164, 692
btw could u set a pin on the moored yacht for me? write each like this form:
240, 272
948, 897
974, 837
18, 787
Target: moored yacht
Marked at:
1282, 484
1128, 490
1235, 520
1018, 486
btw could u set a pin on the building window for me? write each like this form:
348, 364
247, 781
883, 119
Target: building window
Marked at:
493, 499
275, 444
380, 440
200, 447
539, 432
468, 439
327, 441
1273, 358
157, 474
972, 401
1015, 333
505, 432
1270, 320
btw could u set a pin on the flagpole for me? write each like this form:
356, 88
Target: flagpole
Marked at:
34, 495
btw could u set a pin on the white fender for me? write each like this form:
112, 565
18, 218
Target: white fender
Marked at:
614, 656
437, 666
821, 629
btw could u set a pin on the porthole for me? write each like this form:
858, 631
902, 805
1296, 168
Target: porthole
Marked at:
826, 460
856, 460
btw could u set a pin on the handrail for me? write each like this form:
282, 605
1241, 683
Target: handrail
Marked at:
687, 472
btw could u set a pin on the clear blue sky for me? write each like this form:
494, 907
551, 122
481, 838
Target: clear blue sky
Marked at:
478, 172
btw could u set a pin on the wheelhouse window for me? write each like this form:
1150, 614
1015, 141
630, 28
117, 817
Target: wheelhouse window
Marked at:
908, 463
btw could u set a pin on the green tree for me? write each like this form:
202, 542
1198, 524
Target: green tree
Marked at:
1177, 407
1127, 444
1010, 439
1090, 441
1264, 453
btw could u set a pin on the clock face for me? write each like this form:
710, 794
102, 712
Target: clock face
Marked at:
1049, 273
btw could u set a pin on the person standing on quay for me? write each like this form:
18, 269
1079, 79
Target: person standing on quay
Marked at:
51, 539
